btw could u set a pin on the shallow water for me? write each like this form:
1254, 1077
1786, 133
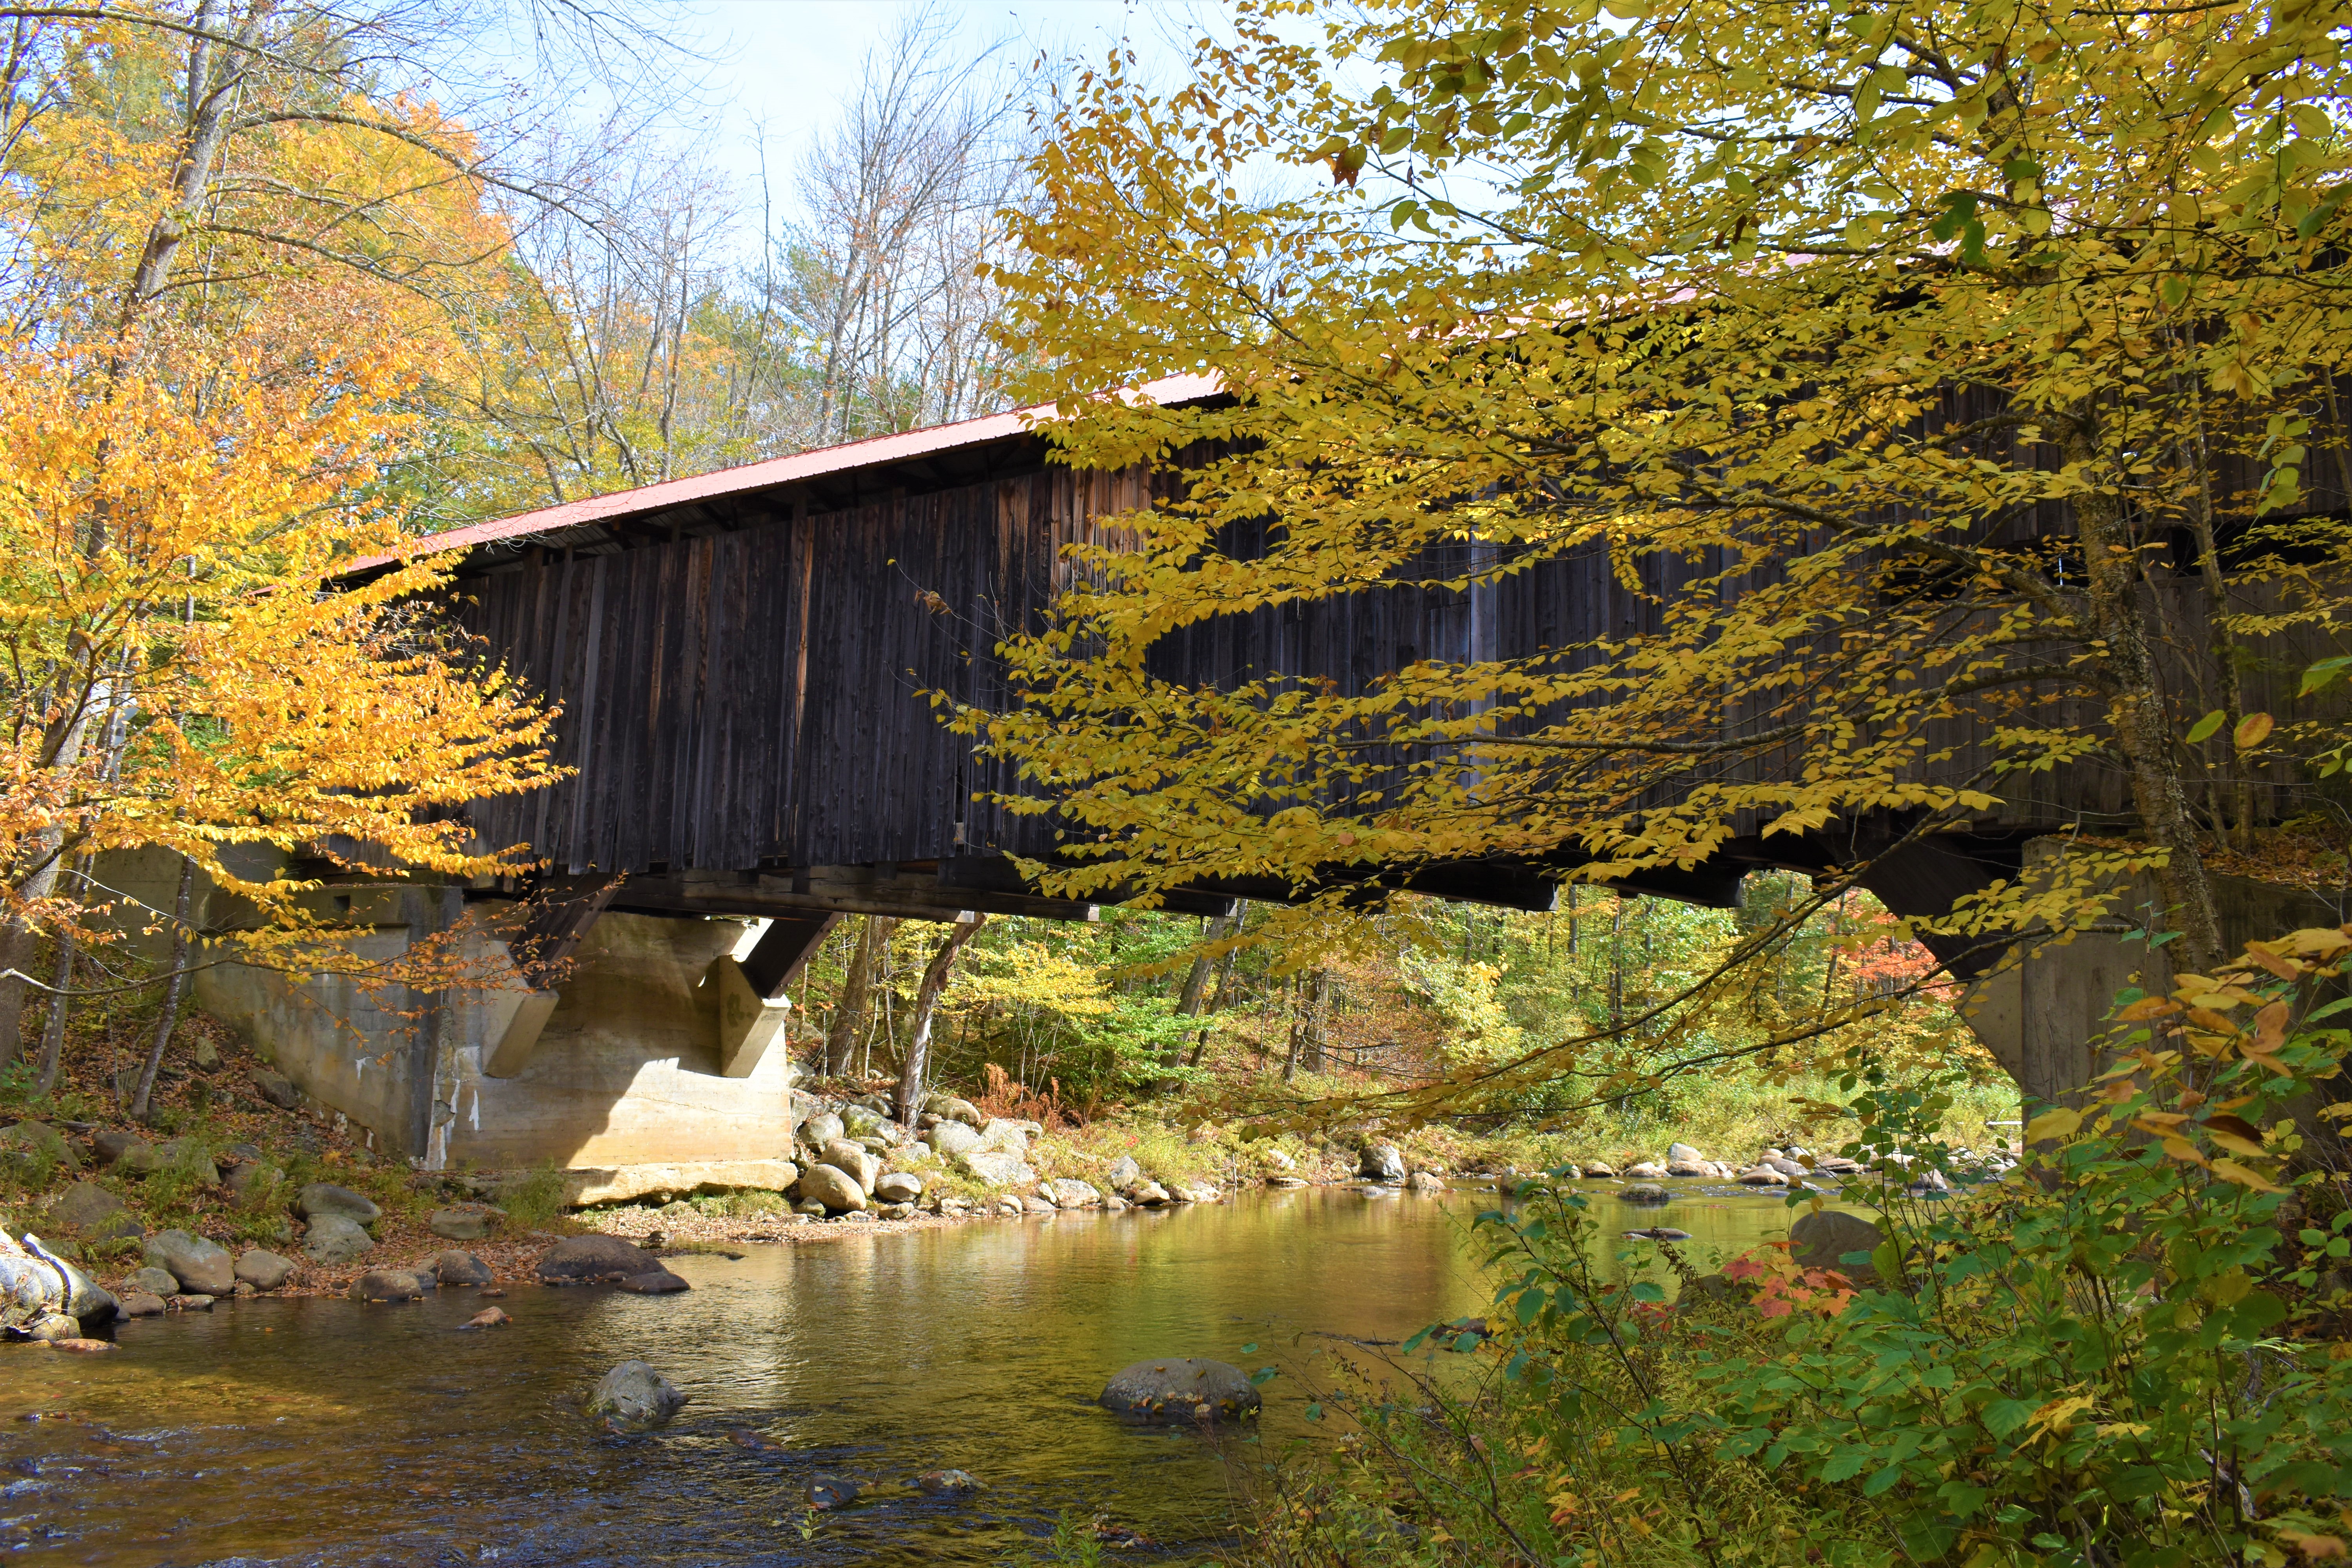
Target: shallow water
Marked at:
328, 1432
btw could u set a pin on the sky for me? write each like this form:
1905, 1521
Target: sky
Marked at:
780, 68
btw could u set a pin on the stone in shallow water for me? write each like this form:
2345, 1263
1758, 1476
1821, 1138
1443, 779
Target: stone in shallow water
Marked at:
831, 1492
1643, 1193
457, 1267
487, 1318
577, 1259
947, 1483
142, 1304
634, 1396
386, 1285
1382, 1162
656, 1282
1181, 1389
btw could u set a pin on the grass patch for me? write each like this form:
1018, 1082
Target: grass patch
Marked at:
536, 1198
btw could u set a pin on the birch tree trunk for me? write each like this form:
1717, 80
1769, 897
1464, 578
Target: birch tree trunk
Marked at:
927, 1002
174, 989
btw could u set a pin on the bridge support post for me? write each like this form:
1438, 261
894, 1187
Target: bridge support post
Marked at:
752, 1007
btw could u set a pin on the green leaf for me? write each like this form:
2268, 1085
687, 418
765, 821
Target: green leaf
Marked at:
2205, 729
2004, 1416
1882, 1480
1845, 1466
1249, 1350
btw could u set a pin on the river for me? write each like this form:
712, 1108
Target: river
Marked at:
327, 1432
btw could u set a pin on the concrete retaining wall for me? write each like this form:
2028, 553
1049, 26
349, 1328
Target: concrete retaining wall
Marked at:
624, 1087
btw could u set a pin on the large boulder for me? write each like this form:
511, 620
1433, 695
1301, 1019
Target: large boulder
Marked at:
325, 1197
89, 1210
263, 1269
838, 1191
947, 1107
1683, 1154
1426, 1181
634, 1396
37, 1283
277, 1088
660, 1282
387, 1285
464, 1221
1124, 1173
1181, 1388
1147, 1194
1644, 1192
1822, 1241
334, 1239
997, 1167
124, 1151
898, 1187
202, 1268
857, 1163
30, 1147
585, 1259
455, 1265
1069, 1193
150, 1280
188, 1154
1012, 1137
1382, 1162
953, 1138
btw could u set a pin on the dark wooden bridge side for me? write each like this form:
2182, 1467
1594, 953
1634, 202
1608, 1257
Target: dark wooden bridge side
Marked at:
741, 659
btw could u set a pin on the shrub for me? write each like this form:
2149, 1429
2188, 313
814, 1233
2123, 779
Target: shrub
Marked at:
537, 1198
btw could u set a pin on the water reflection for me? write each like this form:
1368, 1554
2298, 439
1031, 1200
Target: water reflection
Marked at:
326, 1432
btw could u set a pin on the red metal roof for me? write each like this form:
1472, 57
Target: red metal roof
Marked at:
874, 451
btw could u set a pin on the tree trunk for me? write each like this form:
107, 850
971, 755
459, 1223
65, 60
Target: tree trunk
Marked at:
1318, 1007
2137, 718
927, 1002
857, 996
53, 1033
173, 989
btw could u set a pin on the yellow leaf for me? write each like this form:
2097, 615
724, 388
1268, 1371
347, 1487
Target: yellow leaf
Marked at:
2318, 940
2230, 1171
2146, 1008
2061, 1123
2236, 1145
2253, 731
2270, 1028
2183, 1151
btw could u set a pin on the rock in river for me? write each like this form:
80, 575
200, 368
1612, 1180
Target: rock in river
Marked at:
456, 1266
262, 1269
634, 1396
325, 1197
487, 1318
1124, 1173
1643, 1193
1425, 1181
831, 1492
1181, 1388
386, 1285
580, 1260
335, 1239
142, 1304
1822, 1241
1381, 1162
464, 1221
656, 1282
202, 1268
946, 1483
1683, 1154
838, 1191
